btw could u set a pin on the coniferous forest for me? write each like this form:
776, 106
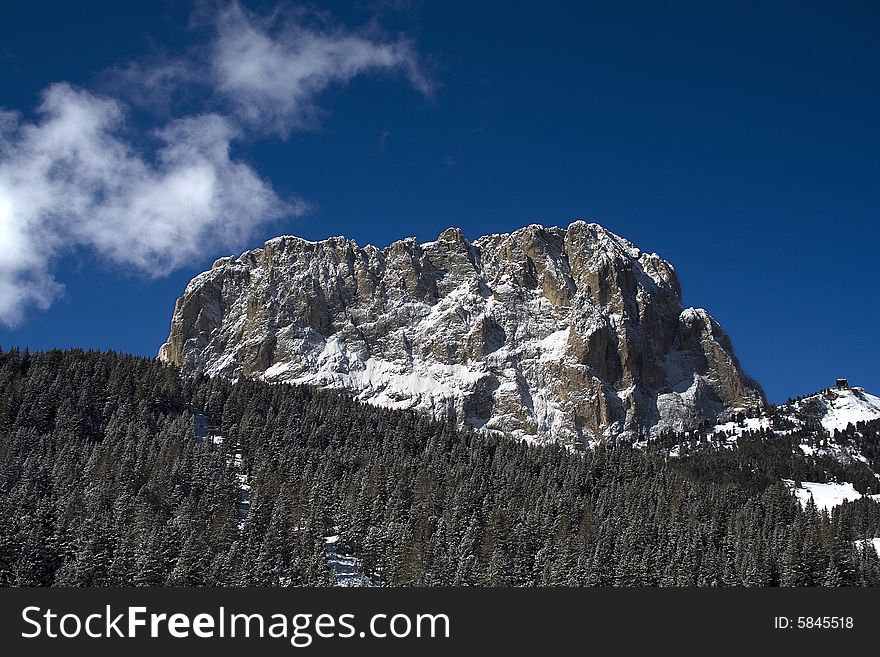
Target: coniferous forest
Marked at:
116, 470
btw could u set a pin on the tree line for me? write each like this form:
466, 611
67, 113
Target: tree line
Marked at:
103, 481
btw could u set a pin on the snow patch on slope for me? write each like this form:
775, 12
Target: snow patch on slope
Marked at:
849, 407
737, 429
835, 408
345, 568
826, 496
555, 345
205, 432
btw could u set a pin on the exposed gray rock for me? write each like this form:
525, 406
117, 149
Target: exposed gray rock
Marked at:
544, 333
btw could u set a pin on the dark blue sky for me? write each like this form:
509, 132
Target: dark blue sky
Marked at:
738, 140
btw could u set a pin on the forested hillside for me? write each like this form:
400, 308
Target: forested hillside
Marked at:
104, 480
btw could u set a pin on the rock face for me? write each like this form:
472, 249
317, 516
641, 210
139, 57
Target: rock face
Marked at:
544, 333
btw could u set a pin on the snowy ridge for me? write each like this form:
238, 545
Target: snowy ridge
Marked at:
815, 419
832, 409
836, 408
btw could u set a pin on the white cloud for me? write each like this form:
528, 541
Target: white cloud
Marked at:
157, 83
71, 179
75, 177
272, 75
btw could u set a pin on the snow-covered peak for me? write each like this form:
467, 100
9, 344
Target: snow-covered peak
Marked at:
691, 315
836, 408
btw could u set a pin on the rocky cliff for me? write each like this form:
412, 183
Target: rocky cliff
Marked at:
544, 333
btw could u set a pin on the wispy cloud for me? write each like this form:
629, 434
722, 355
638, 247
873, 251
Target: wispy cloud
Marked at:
75, 177
271, 75
384, 136
157, 83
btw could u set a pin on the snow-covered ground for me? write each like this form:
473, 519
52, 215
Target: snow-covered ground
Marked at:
833, 408
837, 408
738, 429
826, 496
346, 569
849, 407
865, 542
205, 432
244, 489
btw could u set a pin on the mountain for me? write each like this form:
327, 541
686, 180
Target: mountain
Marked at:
838, 423
831, 437
543, 334
825, 412
834, 408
